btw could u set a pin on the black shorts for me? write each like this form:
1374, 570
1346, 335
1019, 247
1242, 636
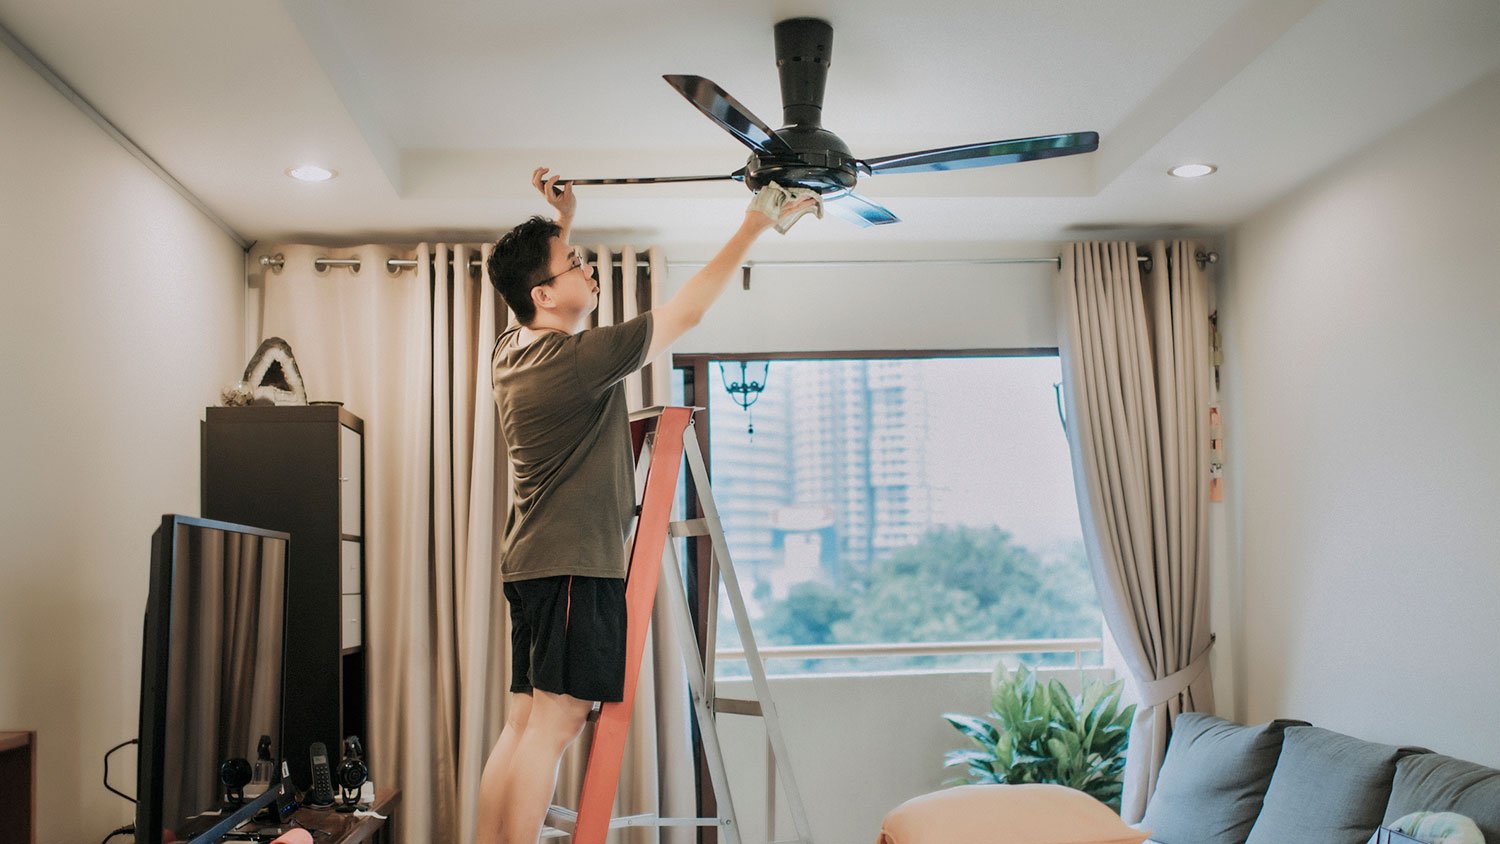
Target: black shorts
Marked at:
568, 636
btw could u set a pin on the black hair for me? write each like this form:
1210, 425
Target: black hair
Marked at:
519, 263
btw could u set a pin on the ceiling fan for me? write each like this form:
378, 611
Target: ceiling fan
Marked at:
804, 154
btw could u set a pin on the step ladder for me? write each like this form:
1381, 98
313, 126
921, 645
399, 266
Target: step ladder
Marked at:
663, 437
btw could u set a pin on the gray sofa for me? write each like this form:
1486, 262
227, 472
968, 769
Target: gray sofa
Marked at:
1287, 782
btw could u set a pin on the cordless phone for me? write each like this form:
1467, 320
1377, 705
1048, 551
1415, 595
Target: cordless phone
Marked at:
322, 779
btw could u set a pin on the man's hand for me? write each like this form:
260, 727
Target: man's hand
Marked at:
563, 201
758, 221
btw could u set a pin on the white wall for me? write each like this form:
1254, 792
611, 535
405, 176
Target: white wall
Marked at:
1361, 319
882, 306
123, 315
860, 745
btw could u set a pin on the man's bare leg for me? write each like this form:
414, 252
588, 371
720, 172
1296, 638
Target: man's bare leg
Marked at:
487, 824
531, 775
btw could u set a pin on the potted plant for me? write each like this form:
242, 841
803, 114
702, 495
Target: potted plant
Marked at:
1039, 733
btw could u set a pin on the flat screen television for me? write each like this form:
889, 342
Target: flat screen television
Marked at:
212, 667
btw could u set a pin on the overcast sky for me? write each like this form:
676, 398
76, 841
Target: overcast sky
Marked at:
997, 452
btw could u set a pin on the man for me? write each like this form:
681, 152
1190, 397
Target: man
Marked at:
562, 410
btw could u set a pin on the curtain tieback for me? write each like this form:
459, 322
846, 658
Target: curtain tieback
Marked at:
1153, 693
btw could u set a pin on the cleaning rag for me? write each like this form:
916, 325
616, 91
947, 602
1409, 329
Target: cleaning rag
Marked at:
770, 199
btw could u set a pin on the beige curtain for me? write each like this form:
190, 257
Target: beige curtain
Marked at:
1135, 362
408, 352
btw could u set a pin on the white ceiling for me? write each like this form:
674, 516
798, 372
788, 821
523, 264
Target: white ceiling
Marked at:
434, 113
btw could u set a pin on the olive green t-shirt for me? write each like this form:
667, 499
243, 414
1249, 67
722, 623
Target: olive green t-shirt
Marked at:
567, 432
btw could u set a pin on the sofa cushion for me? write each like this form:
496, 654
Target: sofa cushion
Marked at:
1329, 788
1006, 814
1212, 780
1432, 782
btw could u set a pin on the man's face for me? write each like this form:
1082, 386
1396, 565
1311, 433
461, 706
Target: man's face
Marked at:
572, 286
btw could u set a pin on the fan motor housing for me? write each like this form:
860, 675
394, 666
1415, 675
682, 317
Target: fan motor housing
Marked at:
822, 162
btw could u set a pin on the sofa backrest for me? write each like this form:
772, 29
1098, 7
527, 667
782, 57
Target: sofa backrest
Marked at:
1433, 782
1322, 786
1327, 787
1212, 780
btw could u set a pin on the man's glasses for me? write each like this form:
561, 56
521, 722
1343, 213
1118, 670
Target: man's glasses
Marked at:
575, 263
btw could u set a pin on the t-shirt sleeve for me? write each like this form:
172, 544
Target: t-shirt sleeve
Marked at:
607, 354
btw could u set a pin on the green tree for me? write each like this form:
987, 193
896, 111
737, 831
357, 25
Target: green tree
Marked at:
914, 608
806, 616
955, 583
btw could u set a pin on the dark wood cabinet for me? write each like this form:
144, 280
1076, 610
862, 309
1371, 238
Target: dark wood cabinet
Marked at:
300, 470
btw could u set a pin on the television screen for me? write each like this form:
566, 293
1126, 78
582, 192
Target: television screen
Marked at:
211, 674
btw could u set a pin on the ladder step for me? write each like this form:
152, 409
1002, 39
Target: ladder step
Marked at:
688, 527
648, 819
732, 706
562, 821
693, 822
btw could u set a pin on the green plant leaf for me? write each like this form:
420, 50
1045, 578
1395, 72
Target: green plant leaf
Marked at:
980, 758
978, 729
1005, 750
1062, 706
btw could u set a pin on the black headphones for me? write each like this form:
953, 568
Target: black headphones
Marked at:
234, 775
352, 772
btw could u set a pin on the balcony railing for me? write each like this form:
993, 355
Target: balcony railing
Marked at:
1077, 647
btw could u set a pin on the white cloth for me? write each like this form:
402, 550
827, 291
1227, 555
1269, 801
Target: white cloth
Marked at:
770, 199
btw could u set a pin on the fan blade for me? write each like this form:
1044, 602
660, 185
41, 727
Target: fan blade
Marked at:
860, 211
648, 180
726, 111
985, 154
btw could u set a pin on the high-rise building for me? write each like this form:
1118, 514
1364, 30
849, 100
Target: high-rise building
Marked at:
901, 499
834, 476
862, 453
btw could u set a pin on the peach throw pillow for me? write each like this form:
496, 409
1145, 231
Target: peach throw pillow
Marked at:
1006, 814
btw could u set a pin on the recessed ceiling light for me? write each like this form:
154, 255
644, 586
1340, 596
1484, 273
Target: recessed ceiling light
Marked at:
311, 173
1192, 171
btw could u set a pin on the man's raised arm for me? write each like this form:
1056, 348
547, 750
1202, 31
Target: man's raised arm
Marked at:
562, 201
687, 307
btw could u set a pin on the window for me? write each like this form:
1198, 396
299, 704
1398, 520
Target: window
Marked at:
895, 501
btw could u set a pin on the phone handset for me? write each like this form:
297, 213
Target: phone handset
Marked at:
322, 776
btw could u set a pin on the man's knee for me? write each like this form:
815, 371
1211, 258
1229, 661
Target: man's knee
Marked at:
561, 717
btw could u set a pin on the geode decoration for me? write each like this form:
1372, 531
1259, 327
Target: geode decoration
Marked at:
272, 375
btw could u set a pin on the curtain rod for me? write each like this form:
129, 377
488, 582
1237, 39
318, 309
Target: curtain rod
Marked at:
275, 262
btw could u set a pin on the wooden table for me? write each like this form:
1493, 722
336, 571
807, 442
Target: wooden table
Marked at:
345, 827
328, 825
